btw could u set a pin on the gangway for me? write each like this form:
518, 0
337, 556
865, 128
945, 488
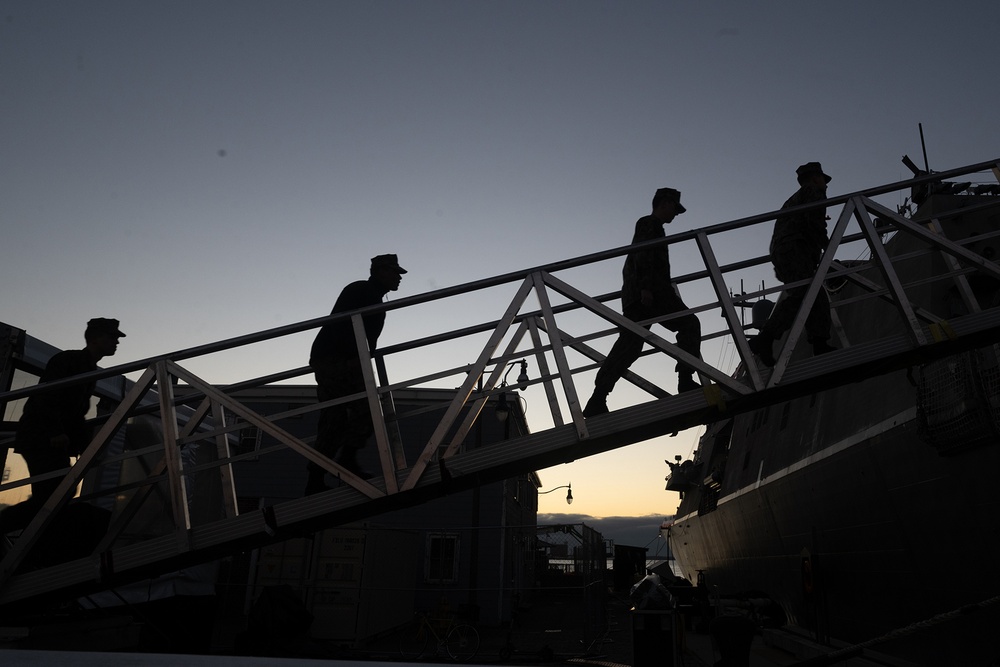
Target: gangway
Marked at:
547, 319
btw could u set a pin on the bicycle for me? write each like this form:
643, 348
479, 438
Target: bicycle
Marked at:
509, 649
459, 641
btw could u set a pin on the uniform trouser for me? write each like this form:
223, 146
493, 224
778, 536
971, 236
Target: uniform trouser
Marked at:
347, 425
41, 457
628, 347
792, 263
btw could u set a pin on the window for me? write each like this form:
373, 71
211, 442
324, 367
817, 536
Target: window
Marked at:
249, 440
759, 419
441, 558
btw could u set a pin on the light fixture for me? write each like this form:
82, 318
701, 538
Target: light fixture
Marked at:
569, 493
522, 377
502, 410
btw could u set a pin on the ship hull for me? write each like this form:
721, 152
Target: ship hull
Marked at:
893, 536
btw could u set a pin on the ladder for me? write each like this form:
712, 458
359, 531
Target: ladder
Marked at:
544, 318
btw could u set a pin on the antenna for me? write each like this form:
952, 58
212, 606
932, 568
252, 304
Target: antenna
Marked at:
923, 147
912, 167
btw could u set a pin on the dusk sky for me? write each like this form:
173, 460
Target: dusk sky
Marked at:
202, 170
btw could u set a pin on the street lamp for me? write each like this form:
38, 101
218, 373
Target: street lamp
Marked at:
569, 494
522, 377
502, 410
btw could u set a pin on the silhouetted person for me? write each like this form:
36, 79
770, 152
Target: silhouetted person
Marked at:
733, 636
53, 425
797, 246
647, 293
344, 429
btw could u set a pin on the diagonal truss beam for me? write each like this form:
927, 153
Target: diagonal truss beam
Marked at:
172, 455
728, 309
629, 376
276, 432
374, 405
64, 492
874, 288
933, 238
575, 409
543, 370
900, 300
477, 406
462, 395
795, 332
670, 349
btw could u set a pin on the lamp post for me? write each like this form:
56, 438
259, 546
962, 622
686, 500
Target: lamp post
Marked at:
569, 494
502, 410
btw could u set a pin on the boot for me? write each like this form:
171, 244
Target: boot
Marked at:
597, 405
316, 482
763, 346
821, 347
685, 382
348, 458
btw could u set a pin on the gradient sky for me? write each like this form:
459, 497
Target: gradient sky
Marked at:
202, 170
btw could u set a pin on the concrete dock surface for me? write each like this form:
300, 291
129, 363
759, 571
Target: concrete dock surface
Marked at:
549, 632
545, 636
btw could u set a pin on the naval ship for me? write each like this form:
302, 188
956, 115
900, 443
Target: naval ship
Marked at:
869, 512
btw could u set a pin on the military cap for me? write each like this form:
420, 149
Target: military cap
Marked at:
672, 194
389, 261
811, 168
104, 325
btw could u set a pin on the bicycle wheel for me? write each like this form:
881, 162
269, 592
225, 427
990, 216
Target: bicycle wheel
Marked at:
415, 642
463, 642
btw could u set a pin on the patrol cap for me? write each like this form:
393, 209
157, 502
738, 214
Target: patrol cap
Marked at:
672, 194
389, 261
104, 325
811, 168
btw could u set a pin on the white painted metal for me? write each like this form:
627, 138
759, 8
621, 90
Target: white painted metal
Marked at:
815, 285
543, 370
728, 309
575, 409
884, 264
172, 454
375, 405
462, 395
64, 491
961, 282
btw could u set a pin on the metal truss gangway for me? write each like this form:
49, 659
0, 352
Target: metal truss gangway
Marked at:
544, 315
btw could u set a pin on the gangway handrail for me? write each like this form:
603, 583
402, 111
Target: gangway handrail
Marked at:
502, 279
498, 280
284, 330
517, 334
